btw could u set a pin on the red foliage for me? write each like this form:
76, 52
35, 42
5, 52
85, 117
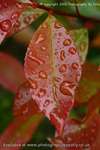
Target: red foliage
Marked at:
10, 11
80, 136
11, 72
24, 105
52, 66
19, 132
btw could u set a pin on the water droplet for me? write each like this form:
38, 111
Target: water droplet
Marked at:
19, 5
47, 102
42, 75
64, 88
62, 55
67, 42
41, 92
37, 60
15, 15
33, 84
72, 50
57, 25
27, 19
75, 66
40, 39
63, 68
57, 79
5, 25
17, 24
43, 48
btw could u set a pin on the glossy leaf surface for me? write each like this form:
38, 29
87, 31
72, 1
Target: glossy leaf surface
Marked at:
52, 66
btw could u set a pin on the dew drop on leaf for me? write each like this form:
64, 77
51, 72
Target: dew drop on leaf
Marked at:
43, 48
62, 55
17, 24
40, 39
64, 88
5, 25
28, 19
15, 15
72, 50
67, 42
34, 84
36, 59
63, 68
53, 70
41, 92
75, 66
19, 5
47, 102
42, 75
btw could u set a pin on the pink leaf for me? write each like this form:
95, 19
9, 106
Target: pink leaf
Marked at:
9, 13
24, 105
52, 66
14, 16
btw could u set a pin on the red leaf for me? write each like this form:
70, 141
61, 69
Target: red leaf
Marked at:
11, 72
11, 19
9, 13
24, 105
93, 105
19, 132
52, 66
80, 136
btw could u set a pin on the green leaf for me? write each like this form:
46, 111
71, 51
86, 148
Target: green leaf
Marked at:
80, 37
69, 22
91, 8
28, 16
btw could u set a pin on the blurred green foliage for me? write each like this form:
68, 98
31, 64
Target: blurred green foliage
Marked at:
6, 102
